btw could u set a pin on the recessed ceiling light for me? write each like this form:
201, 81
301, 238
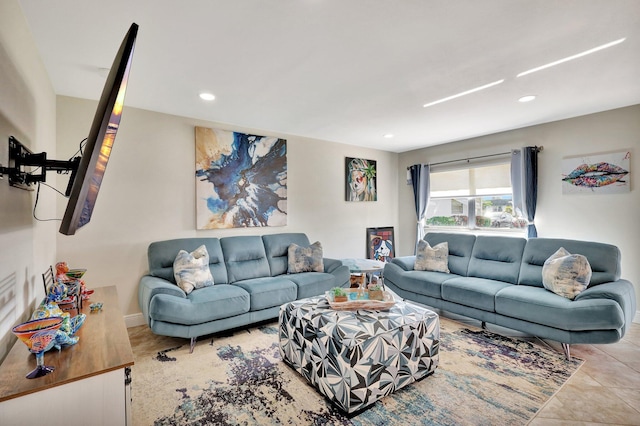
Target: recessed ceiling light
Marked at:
570, 58
207, 96
527, 98
388, 135
477, 89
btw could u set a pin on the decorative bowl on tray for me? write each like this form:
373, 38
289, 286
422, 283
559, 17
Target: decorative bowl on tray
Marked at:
359, 299
76, 273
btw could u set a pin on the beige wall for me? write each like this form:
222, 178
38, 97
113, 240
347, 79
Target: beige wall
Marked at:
609, 219
27, 111
148, 194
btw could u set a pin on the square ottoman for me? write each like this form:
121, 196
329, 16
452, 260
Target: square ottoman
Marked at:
354, 358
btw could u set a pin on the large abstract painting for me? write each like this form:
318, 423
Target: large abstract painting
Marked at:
596, 173
241, 180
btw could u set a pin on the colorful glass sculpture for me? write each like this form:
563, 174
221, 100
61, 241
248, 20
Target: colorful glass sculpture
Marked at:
37, 335
49, 308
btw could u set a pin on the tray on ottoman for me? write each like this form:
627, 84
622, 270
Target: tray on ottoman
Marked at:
354, 303
354, 358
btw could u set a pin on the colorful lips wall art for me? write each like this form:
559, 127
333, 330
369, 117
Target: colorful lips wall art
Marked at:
587, 174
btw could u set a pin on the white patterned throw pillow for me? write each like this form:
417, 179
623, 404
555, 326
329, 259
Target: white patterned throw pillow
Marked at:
566, 274
191, 270
305, 259
434, 258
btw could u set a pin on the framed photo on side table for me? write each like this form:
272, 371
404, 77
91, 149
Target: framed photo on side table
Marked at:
380, 244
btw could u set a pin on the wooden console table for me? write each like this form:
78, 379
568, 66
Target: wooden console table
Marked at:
90, 383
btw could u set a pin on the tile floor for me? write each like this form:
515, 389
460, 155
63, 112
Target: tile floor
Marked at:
604, 391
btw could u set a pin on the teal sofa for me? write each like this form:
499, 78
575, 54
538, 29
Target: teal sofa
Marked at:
250, 283
498, 280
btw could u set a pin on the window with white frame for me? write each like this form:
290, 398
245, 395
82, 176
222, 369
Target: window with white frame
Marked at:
474, 197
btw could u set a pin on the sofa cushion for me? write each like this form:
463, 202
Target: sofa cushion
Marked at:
460, 248
604, 259
477, 293
268, 292
496, 258
276, 247
434, 258
202, 305
245, 258
191, 270
312, 284
305, 259
162, 254
566, 274
539, 306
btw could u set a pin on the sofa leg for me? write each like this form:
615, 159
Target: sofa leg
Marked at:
567, 350
193, 344
483, 325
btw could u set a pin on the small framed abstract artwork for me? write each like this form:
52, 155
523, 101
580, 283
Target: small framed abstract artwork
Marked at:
380, 244
360, 182
606, 173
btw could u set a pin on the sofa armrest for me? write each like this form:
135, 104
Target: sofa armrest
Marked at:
621, 291
393, 272
405, 262
331, 265
150, 286
338, 270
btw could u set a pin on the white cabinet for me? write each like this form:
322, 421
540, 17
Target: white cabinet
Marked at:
89, 385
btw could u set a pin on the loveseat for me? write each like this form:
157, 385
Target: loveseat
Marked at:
250, 282
498, 280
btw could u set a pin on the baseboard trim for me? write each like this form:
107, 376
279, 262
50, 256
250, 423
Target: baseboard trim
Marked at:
637, 318
134, 320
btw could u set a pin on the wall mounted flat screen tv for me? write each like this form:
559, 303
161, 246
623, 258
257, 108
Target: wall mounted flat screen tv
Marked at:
88, 178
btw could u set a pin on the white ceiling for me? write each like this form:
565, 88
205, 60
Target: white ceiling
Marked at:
350, 71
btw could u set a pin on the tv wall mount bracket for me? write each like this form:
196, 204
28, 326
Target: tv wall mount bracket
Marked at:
21, 158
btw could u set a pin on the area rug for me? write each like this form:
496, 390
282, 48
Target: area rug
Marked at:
239, 379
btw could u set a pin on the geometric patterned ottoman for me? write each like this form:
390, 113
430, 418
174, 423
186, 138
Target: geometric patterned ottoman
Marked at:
354, 358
